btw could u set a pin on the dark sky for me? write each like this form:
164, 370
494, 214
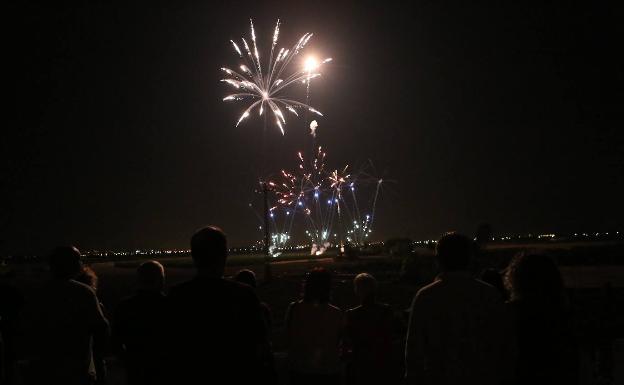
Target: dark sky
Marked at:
502, 113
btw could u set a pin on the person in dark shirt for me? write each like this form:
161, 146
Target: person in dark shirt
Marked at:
218, 332
494, 278
369, 329
67, 322
138, 327
248, 277
547, 352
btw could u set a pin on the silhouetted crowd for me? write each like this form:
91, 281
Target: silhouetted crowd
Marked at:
501, 329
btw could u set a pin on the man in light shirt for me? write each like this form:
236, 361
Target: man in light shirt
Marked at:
459, 332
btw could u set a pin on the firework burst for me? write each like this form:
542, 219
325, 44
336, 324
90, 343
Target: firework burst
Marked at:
266, 89
336, 206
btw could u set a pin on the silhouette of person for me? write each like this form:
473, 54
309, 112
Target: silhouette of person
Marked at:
368, 336
11, 303
138, 327
67, 323
547, 352
314, 332
248, 277
88, 276
458, 330
218, 328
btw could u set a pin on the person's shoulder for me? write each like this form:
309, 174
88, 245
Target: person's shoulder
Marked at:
295, 303
353, 310
335, 310
237, 287
133, 300
80, 288
181, 288
238, 292
488, 291
430, 289
233, 285
292, 306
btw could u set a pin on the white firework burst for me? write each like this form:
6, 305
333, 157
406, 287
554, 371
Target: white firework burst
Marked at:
265, 89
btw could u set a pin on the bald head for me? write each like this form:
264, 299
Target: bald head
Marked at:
365, 286
151, 276
65, 262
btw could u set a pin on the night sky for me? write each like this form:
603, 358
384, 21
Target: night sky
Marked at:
502, 113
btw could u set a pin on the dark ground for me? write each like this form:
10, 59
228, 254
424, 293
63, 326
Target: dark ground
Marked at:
596, 291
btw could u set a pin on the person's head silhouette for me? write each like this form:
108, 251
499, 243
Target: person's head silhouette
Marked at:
247, 277
365, 286
65, 262
317, 286
535, 278
209, 251
454, 252
151, 276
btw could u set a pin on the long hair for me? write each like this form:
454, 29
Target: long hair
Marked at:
88, 277
535, 278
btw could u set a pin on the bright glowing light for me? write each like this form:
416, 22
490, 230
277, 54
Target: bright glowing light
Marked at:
265, 89
313, 127
310, 64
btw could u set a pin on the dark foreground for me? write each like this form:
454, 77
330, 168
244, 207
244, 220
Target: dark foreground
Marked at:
596, 291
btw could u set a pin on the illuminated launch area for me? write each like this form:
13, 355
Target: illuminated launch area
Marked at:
324, 202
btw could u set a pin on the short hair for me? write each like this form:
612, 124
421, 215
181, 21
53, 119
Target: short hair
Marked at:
247, 277
454, 252
65, 262
317, 286
535, 277
151, 275
365, 285
209, 248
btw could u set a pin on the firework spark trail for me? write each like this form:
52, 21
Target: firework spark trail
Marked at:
265, 89
320, 196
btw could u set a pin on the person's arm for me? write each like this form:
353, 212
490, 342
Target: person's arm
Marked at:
119, 331
288, 322
101, 333
347, 340
415, 342
264, 353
